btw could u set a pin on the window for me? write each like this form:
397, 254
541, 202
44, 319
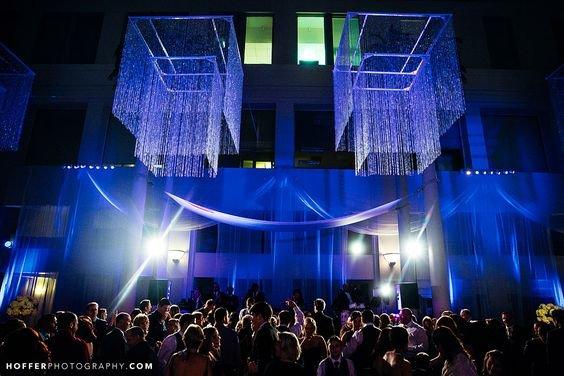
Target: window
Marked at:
258, 40
257, 138
56, 136
514, 142
311, 40
337, 24
501, 43
315, 141
206, 239
68, 38
359, 244
119, 147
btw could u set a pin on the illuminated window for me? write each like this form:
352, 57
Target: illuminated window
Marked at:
258, 40
248, 164
311, 40
263, 164
337, 24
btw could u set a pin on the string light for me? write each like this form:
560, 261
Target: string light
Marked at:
16, 80
396, 89
179, 92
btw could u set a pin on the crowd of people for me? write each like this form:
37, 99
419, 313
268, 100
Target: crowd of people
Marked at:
216, 338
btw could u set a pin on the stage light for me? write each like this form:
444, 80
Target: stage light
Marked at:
477, 172
414, 249
468, 172
386, 290
357, 248
8, 244
156, 246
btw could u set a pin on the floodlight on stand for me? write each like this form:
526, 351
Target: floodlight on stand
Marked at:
155, 246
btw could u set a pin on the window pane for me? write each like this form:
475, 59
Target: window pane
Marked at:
338, 23
258, 40
311, 40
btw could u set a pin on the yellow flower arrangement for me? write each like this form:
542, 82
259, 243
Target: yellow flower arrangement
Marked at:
544, 313
22, 306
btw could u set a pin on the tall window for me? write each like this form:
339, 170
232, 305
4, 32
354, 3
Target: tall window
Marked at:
68, 38
258, 40
311, 40
337, 24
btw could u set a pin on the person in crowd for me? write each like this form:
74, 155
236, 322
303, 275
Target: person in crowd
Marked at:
135, 312
210, 347
493, 364
399, 341
174, 342
230, 352
189, 361
217, 295
172, 326
457, 361
207, 308
515, 342
422, 364
11, 326
535, 350
230, 300
385, 321
297, 324
353, 324
64, 345
380, 367
255, 293
196, 301
142, 321
232, 320
465, 314
47, 326
287, 353
139, 350
247, 309
343, 301
555, 343
174, 310
448, 322
100, 326
103, 314
285, 319
86, 333
114, 346
22, 345
360, 347
325, 327
264, 339
198, 318
145, 306
313, 347
417, 335
245, 335
157, 318
334, 364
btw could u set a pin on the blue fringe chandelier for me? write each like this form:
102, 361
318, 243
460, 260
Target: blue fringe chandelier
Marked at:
179, 92
397, 89
556, 85
16, 80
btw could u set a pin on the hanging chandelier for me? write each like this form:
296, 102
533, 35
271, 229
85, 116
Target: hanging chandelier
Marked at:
16, 80
397, 89
179, 92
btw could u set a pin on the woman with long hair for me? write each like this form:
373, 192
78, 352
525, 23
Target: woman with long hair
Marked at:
189, 361
457, 360
314, 348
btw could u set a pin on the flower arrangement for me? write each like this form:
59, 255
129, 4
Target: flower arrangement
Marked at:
23, 306
544, 313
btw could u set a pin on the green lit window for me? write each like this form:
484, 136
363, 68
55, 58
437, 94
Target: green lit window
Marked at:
311, 40
337, 24
247, 164
258, 40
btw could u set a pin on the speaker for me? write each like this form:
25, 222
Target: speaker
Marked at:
409, 295
158, 288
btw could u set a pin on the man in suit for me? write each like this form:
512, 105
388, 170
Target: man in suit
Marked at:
324, 323
157, 328
139, 350
114, 345
360, 347
230, 351
264, 339
100, 326
65, 346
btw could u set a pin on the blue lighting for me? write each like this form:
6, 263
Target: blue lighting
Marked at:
8, 244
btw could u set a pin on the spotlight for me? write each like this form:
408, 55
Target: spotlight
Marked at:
477, 172
468, 172
91, 167
112, 167
386, 290
357, 248
155, 246
97, 167
105, 167
414, 249
8, 244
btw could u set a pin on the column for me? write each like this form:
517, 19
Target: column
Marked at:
437, 254
476, 139
404, 231
284, 135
